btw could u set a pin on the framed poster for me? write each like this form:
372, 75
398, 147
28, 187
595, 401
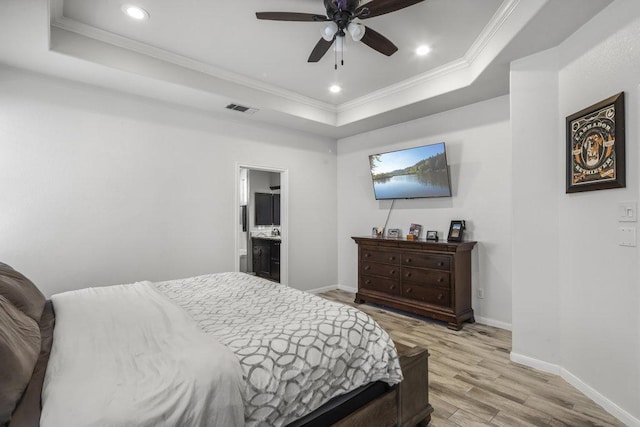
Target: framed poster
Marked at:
595, 146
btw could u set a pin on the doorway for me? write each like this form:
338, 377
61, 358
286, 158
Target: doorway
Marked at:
261, 246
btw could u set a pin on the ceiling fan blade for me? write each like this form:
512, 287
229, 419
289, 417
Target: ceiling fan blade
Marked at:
291, 16
378, 42
380, 7
321, 48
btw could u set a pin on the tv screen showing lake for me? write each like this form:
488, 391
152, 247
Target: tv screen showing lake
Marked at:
412, 186
411, 173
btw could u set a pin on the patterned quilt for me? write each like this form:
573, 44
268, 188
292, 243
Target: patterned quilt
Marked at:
296, 350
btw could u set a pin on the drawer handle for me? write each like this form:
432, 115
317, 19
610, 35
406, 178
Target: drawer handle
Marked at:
440, 296
367, 267
440, 264
408, 260
367, 255
392, 258
408, 274
392, 272
392, 287
440, 280
366, 282
409, 290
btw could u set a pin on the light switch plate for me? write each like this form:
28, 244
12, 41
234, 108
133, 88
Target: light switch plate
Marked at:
627, 236
628, 211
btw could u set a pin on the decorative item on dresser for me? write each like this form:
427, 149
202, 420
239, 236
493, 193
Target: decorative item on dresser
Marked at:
432, 279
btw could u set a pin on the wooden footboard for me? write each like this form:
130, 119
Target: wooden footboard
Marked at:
406, 405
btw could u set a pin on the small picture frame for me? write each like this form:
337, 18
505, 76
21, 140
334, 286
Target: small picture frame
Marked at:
456, 230
432, 235
377, 231
394, 233
414, 230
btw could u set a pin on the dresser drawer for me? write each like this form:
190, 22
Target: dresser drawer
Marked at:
372, 255
424, 276
388, 286
428, 294
385, 270
435, 262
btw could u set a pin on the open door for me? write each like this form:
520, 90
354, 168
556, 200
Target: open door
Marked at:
261, 245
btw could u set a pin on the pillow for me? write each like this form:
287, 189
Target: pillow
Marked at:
19, 349
21, 292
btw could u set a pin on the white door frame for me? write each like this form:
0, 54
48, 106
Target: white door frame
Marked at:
284, 216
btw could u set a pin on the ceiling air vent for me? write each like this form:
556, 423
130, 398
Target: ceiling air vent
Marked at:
241, 108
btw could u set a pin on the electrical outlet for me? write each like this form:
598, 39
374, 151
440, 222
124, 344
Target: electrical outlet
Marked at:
480, 293
627, 236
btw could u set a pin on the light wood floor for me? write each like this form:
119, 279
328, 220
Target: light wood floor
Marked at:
472, 382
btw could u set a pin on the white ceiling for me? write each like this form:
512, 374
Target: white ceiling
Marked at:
205, 54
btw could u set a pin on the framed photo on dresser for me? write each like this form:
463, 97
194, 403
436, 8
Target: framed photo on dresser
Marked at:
394, 233
456, 230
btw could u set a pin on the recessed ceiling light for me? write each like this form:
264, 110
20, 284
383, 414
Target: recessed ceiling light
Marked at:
135, 12
423, 50
335, 89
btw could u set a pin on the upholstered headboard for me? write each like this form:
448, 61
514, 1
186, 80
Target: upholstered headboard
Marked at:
25, 334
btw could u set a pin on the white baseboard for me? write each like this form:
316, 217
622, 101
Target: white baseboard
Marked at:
626, 418
332, 288
492, 322
535, 363
347, 289
593, 394
484, 320
323, 289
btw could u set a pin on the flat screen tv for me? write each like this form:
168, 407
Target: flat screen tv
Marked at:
411, 173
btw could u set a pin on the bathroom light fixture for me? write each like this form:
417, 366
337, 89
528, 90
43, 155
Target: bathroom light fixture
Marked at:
335, 89
135, 12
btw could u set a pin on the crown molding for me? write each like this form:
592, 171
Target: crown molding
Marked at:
67, 24
435, 73
490, 30
465, 62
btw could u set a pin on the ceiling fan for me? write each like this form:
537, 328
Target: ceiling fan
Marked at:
340, 18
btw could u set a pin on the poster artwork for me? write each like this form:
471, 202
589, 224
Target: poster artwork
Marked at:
593, 147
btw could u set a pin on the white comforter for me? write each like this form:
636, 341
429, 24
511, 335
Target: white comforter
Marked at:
127, 356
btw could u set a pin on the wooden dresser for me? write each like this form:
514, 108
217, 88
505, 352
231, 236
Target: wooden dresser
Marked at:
432, 279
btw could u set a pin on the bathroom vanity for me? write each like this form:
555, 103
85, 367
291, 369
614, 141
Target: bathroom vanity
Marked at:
266, 257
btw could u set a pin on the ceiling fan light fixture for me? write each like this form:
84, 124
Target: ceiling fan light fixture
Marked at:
135, 12
329, 30
356, 30
338, 46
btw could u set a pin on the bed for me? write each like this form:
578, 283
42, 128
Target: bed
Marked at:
222, 349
